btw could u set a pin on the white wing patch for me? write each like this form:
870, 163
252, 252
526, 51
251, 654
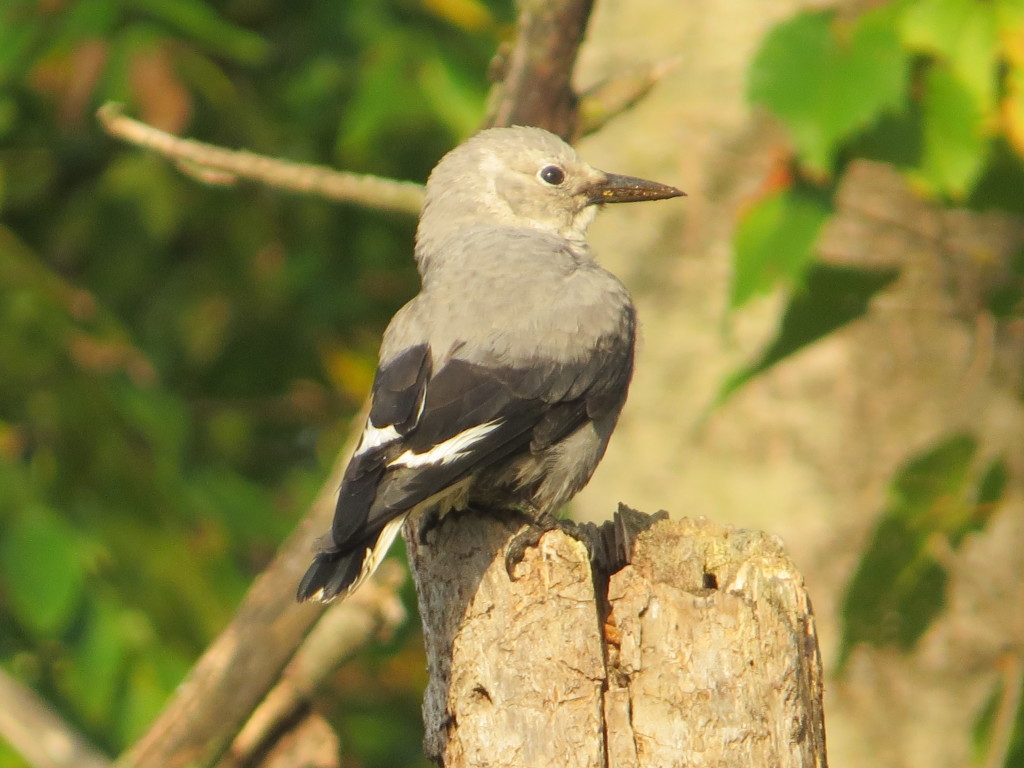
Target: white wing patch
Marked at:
374, 437
449, 450
376, 553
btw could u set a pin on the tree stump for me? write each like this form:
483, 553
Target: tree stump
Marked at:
695, 647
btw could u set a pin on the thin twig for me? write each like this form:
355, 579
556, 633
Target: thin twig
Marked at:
216, 165
39, 734
612, 97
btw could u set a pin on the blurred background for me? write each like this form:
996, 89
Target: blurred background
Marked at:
833, 329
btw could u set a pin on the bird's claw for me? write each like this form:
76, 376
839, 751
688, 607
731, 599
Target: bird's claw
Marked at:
609, 545
535, 530
537, 524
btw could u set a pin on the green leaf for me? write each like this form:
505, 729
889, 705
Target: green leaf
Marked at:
9, 116
29, 177
159, 418
895, 594
984, 725
98, 657
990, 494
40, 569
151, 187
832, 297
964, 33
825, 81
149, 682
242, 505
930, 478
468, 14
452, 99
955, 145
1009, 14
899, 586
16, 42
773, 243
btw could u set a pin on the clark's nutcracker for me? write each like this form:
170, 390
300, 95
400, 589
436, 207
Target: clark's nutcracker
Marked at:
500, 383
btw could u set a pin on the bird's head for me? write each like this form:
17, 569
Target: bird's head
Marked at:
523, 177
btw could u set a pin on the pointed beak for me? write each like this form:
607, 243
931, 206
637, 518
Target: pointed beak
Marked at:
629, 189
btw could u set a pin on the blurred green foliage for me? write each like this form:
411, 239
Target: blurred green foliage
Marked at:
832, 296
931, 86
935, 500
826, 80
936, 88
1009, 690
179, 362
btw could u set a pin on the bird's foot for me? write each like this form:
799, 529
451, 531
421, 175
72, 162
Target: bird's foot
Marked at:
609, 545
539, 523
428, 522
431, 520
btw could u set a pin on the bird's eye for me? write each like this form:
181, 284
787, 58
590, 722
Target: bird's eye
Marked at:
552, 174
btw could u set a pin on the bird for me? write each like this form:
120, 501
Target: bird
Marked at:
499, 384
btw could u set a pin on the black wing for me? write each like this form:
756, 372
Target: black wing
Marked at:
427, 431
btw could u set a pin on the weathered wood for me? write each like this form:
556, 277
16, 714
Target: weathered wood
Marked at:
712, 654
702, 652
371, 614
515, 667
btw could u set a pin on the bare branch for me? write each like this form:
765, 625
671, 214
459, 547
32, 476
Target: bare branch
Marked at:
39, 734
308, 743
216, 165
618, 94
536, 87
372, 613
246, 660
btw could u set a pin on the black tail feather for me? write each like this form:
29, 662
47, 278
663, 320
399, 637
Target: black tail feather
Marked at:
330, 574
337, 572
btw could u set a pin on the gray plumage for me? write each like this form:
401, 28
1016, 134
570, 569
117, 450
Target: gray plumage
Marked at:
501, 382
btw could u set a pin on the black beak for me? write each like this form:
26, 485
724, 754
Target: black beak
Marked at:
628, 189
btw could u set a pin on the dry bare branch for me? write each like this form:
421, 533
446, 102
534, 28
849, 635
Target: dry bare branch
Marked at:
536, 77
610, 98
372, 613
217, 165
238, 669
39, 734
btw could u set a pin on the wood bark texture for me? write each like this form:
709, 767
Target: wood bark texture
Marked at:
534, 76
701, 651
